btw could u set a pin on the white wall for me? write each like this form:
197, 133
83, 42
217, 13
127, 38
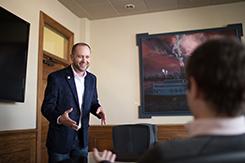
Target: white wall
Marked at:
23, 115
115, 54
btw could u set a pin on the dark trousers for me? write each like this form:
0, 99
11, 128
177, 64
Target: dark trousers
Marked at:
76, 155
66, 158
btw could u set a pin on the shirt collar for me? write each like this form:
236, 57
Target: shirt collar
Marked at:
217, 126
76, 74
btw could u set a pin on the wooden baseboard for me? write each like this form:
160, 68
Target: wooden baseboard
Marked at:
18, 146
101, 136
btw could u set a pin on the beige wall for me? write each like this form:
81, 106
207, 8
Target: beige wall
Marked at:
23, 115
115, 54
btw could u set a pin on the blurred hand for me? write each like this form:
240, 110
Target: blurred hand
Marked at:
101, 114
103, 156
67, 121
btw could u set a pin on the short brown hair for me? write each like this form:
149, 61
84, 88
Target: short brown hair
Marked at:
79, 44
218, 67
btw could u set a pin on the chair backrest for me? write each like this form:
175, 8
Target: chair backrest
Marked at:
231, 157
132, 140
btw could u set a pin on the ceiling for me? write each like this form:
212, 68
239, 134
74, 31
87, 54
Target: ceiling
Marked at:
99, 9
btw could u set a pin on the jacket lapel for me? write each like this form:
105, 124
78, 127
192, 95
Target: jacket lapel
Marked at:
87, 90
71, 82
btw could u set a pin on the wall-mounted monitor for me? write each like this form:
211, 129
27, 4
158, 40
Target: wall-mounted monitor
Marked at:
14, 37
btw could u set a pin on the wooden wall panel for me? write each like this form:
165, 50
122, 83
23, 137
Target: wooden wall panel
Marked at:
18, 146
101, 136
169, 132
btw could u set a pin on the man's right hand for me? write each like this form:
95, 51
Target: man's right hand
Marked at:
67, 121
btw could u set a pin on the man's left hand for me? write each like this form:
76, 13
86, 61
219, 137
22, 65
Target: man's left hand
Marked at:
101, 114
105, 156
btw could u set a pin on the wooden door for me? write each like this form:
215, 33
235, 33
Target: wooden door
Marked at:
49, 65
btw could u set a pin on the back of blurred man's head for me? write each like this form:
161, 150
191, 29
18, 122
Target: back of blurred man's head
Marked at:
218, 68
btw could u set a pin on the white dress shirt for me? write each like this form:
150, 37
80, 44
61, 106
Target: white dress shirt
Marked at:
79, 82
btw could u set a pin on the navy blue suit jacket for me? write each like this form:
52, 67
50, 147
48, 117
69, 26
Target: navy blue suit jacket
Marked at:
60, 95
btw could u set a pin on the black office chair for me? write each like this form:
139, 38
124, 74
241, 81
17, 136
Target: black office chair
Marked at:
231, 157
132, 140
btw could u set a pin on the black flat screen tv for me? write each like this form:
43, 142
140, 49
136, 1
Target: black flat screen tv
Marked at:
14, 37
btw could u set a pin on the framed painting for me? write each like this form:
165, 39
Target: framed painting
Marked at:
162, 67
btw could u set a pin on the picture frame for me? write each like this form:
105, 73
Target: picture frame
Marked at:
162, 59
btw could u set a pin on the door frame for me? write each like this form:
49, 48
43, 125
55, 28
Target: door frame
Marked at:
45, 20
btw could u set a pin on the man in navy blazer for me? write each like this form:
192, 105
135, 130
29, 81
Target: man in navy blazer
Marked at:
70, 97
216, 96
